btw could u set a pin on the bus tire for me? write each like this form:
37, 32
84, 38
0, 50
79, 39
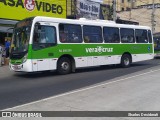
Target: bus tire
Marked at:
64, 66
126, 60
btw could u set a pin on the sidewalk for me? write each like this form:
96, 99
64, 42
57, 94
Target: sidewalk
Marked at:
5, 71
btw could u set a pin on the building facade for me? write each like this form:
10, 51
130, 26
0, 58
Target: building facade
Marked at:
124, 5
139, 11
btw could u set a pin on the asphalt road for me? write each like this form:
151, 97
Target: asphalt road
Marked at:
21, 88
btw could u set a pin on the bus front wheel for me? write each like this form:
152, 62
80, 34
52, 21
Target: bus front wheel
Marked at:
64, 66
126, 60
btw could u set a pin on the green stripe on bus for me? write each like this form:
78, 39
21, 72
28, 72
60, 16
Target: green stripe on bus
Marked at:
83, 50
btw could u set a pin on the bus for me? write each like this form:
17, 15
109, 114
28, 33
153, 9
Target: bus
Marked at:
44, 43
156, 46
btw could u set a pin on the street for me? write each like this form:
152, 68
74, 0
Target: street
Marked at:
21, 88
43, 42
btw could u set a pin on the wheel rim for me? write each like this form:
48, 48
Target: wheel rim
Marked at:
126, 61
65, 66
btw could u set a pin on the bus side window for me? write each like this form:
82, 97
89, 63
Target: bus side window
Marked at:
141, 36
127, 35
70, 33
92, 34
44, 36
111, 35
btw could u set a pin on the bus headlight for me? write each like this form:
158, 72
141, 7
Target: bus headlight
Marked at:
25, 58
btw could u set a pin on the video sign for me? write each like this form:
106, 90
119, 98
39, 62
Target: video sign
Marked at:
20, 9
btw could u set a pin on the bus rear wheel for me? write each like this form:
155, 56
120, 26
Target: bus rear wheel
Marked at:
64, 66
126, 60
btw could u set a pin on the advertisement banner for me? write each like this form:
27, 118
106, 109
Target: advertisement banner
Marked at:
88, 9
20, 9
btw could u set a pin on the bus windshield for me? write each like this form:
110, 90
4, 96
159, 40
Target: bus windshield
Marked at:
21, 36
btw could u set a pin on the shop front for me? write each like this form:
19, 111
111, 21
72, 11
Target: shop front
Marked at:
6, 28
14, 10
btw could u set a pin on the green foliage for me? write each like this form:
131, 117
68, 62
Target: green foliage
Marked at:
110, 15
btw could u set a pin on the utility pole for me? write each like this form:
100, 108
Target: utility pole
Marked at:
114, 10
153, 17
130, 13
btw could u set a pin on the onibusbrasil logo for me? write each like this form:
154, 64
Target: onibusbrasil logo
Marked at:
99, 49
29, 5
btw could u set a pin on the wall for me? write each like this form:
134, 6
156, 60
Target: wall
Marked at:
143, 16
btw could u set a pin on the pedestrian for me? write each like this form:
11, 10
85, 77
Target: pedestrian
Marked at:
7, 46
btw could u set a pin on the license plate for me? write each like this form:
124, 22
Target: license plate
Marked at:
17, 67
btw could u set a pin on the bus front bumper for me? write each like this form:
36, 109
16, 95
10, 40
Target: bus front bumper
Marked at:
24, 67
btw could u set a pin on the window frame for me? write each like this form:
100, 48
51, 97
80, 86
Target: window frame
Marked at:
101, 33
146, 36
114, 28
69, 34
133, 30
43, 45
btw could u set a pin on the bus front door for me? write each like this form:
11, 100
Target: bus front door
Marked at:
44, 39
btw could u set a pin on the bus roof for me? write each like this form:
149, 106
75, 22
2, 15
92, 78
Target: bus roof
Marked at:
84, 21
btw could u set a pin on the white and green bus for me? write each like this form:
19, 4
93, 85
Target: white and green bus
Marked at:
44, 43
